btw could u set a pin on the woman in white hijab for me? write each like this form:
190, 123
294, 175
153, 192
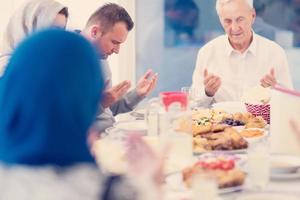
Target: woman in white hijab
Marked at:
33, 16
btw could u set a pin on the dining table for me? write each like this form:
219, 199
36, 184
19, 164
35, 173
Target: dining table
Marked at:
283, 187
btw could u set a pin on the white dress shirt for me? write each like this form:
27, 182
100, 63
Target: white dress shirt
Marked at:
238, 71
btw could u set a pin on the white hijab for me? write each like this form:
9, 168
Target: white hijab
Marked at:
34, 15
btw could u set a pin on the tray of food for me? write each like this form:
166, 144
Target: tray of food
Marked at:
224, 168
218, 130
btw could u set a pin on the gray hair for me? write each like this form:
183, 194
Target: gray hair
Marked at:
220, 3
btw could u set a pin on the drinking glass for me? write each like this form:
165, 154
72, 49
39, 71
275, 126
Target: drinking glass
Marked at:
258, 166
191, 93
204, 186
181, 149
152, 116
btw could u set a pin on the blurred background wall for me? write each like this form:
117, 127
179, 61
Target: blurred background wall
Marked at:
154, 44
171, 47
79, 11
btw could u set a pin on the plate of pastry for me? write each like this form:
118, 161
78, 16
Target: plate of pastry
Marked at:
229, 140
224, 169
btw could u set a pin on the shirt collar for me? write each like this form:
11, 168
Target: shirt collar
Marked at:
251, 49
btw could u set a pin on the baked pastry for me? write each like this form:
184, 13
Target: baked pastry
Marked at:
237, 140
201, 144
201, 126
218, 127
229, 139
249, 133
256, 122
225, 172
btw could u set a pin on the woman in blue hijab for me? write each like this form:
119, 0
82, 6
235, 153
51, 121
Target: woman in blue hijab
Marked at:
48, 99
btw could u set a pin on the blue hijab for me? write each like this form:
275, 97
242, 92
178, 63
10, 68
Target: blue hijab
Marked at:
48, 100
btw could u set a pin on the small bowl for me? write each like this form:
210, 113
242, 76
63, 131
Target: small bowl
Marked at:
262, 110
255, 139
284, 164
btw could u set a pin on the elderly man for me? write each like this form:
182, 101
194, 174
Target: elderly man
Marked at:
232, 63
107, 29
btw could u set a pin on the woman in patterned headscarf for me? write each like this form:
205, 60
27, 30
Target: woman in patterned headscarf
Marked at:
32, 16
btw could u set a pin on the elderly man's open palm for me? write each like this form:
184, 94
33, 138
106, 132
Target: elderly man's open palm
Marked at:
269, 80
211, 82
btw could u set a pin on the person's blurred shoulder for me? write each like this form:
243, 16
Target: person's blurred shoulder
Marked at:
77, 182
265, 42
214, 44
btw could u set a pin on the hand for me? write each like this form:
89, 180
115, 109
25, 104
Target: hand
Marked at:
112, 95
146, 84
269, 80
211, 83
144, 163
92, 137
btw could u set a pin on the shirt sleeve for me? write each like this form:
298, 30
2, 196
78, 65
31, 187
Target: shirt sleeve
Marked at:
127, 103
282, 73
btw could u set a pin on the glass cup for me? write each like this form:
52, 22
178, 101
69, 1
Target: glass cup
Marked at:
191, 93
204, 186
258, 166
110, 152
181, 149
152, 116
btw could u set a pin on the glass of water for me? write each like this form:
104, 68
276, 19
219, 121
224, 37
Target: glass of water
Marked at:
191, 93
204, 186
258, 166
181, 149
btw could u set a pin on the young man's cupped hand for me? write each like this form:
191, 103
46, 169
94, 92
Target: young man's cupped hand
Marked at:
113, 94
146, 83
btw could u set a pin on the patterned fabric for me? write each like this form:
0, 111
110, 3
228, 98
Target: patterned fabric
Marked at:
33, 16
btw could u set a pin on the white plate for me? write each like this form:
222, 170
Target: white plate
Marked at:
256, 138
267, 196
237, 151
231, 106
174, 181
136, 126
285, 164
139, 113
175, 195
283, 177
231, 189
